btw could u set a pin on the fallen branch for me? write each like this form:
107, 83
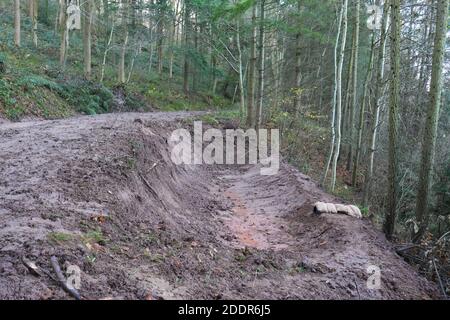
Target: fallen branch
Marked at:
443, 237
323, 232
62, 280
357, 288
36, 270
407, 247
32, 267
148, 185
151, 190
439, 279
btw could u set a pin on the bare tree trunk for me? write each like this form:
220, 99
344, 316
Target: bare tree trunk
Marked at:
108, 47
354, 103
298, 66
194, 69
213, 61
348, 98
262, 56
337, 147
187, 17
241, 72
125, 12
362, 114
394, 101
152, 50
130, 72
429, 140
64, 33
161, 21
335, 92
122, 59
34, 20
379, 88
173, 40
251, 73
278, 48
214, 81
87, 39
151, 36
17, 23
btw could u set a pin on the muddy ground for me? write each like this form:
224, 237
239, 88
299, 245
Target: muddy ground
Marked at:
101, 193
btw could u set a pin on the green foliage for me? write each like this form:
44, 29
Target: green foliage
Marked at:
32, 81
3, 63
14, 112
214, 119
6, 93
232, 10
210, 119
87, 97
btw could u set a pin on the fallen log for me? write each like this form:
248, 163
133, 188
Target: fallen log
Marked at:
62, 279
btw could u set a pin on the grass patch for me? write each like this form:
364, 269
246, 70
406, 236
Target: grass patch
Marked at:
95, 236
59, 237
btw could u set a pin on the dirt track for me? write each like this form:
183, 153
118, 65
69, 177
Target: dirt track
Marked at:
101, 193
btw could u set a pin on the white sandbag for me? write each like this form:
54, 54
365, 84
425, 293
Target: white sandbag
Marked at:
330, 208
320, 208
355, 212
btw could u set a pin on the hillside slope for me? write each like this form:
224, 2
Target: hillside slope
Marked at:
101, 193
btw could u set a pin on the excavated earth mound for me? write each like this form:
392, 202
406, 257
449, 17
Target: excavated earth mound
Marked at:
102, 194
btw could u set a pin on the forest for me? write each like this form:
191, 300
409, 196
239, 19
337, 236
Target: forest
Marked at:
359, 89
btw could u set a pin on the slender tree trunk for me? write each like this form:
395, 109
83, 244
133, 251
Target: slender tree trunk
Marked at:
335, 92
123, 51
151, 40
187, 17
241, 72
194, 69
277, 53
213, 60
34, 6
394, 101
151, 54
17, 23
354, 103
251, 73
108, 47
298, 66
161, 10
64, 33
87, 38
348, 98
214, 66
337, 147
262, 56
362, 114
429, 140
379, 88
130, 72
173, 40
125, 11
